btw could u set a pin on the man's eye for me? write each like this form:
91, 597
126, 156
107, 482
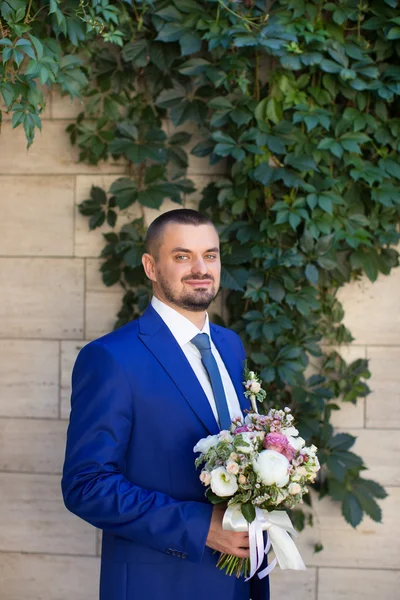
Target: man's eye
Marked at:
211, 256
181, 256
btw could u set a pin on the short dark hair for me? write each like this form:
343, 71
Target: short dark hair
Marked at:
180, 216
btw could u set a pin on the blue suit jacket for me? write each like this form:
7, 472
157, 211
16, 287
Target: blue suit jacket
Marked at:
137, 410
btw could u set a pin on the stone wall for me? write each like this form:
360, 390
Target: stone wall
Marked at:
52, 301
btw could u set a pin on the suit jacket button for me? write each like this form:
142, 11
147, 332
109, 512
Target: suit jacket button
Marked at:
169, 550
179, 554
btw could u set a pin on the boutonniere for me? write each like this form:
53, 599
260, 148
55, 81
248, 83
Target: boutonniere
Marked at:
252, 383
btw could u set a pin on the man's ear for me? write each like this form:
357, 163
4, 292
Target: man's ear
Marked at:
149, 266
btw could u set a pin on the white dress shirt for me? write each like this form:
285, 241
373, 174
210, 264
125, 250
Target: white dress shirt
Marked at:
184, 331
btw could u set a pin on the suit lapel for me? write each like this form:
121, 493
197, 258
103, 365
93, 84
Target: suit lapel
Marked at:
231, 362
155, 334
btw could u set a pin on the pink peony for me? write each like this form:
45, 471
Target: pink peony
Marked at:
279, 443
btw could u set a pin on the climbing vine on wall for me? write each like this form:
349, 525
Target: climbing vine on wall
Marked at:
297, 102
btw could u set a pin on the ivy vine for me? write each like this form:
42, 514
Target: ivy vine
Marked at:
299, 98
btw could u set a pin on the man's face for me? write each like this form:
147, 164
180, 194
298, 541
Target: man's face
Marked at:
186, 273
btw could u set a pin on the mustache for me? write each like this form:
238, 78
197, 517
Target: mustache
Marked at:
198, 277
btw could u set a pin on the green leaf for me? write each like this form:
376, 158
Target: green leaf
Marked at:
190, 43
393, 33
311, 273
263, 173
214, 499
234, 279
351, 510
248, 511
342, 441
302, 163
274, 111
276, 290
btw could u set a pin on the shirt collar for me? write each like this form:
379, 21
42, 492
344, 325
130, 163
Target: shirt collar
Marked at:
181, 328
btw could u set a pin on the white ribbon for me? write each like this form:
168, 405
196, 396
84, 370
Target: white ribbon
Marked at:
278, 525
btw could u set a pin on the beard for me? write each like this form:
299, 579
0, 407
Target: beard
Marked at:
196, 300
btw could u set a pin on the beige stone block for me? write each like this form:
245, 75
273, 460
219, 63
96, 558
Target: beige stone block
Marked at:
101, 312
383, 404
41, 297
37, 215
91, 243
380, 450
94, 281
350, 415
29, 378
371, 545
69, 352
358, 584
32, 445
51, 153
371, 309
293, 585
45, 577
63, 107
34, 518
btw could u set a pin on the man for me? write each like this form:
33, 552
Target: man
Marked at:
142, 397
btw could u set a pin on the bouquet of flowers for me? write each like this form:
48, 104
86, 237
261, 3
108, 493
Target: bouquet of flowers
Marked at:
259, 464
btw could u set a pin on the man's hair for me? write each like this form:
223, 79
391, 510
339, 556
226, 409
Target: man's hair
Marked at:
180, 216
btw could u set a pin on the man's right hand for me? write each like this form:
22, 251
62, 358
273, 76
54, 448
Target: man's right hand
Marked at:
228, 542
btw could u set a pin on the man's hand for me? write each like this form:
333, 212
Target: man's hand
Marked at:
228, 542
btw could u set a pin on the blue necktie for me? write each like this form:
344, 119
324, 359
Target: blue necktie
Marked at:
202, 343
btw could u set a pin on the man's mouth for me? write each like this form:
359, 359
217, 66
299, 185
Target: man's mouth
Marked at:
198, 282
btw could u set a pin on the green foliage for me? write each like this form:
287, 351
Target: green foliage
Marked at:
301, 104
38, 45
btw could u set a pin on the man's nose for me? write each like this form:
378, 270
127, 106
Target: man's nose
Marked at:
199, 266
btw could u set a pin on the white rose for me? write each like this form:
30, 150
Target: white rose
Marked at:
255, 387
282, 495
225, 436
296, 442
294, 488
302, 471
205, 444
223, 483
290, 431
232, 467
272, 467
205, 477
246, 436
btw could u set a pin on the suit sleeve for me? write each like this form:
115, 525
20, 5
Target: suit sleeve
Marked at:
93, 485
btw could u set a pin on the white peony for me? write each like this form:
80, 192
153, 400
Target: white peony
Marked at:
222, 483
205, 444
272, 468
